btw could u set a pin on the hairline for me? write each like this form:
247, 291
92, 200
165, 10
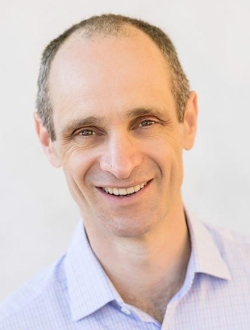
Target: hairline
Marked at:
123, 28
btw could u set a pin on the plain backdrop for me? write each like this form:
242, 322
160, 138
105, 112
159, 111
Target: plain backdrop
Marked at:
37, 215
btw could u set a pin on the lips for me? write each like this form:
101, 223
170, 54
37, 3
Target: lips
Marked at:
124, 191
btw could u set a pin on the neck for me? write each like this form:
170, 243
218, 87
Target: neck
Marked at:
151, 267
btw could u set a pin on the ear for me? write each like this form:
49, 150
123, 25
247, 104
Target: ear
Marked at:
190, 121
47, 144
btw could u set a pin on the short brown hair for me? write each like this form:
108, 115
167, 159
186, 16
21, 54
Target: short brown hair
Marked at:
110, 24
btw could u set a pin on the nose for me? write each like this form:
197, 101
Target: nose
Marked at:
121, 155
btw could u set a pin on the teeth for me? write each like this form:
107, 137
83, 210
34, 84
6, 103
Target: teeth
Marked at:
116, 191
124, 191
130, 190
137, 188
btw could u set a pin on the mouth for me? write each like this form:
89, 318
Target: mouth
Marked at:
124, 192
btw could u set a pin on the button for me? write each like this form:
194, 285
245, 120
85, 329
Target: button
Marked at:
125, 311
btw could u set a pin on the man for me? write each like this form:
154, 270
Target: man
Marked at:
115, 111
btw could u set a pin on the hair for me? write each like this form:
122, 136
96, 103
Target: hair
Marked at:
110, 24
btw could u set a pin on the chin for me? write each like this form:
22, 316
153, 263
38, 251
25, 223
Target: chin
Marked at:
125, 228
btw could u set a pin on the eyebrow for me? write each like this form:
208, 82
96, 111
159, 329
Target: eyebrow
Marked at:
130, 114
75, 123
146, 111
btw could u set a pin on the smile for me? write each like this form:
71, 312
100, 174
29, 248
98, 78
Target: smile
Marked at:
124, 191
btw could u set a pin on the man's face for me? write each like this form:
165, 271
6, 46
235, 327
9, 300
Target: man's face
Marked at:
118, 137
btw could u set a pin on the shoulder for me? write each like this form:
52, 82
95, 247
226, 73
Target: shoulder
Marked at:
34, 298
233, 247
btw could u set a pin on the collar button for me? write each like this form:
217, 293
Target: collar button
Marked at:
125, 311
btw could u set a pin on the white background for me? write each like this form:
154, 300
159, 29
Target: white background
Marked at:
37, 215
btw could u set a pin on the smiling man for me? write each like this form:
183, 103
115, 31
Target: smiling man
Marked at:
115, 111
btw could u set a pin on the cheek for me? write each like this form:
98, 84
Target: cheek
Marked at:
166, 155
76, 164
76, 169
169, 161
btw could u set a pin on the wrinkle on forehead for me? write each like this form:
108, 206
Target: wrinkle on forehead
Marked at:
95, 76
96, 54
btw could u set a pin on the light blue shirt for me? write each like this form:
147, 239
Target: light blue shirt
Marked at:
75, 292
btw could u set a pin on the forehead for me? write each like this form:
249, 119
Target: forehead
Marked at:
108, 73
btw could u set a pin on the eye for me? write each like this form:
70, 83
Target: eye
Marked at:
86, 132
146, 122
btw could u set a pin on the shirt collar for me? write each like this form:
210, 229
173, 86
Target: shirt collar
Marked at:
205, 256
88, 286
90, 289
